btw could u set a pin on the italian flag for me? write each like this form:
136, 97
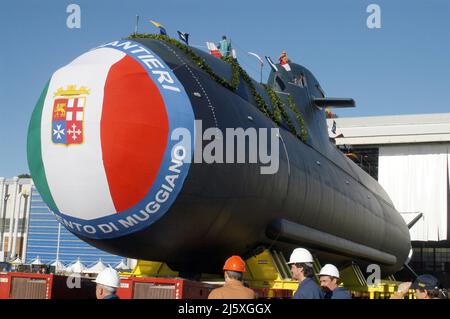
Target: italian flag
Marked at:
125, 132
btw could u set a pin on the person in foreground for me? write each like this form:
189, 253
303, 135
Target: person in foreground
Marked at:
234, 288
107, 283
425, 286
301, 262
329, 282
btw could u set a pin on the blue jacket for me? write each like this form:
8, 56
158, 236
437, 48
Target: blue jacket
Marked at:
308, 289
225, 47
338, 293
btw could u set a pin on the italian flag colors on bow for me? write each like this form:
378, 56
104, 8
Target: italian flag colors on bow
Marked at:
91, 148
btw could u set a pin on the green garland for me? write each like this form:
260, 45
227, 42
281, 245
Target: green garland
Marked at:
278, 111
278, 108
239, 71
303, 131
201, 63
275, 102
235, 71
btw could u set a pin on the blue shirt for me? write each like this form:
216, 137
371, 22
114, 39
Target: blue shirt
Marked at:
338, 293
308, 289
224, 47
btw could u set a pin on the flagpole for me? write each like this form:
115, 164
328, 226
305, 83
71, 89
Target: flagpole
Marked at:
261, 65
58, 242
137, 25
261, 69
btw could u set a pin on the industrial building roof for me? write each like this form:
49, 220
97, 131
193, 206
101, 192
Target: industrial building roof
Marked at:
397, 129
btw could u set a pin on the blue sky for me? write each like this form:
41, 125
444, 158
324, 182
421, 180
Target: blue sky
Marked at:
402, 68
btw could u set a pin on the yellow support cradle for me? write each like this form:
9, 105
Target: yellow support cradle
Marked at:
269, 270
146, 268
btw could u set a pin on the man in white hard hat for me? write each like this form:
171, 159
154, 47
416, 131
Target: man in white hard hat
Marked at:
329, 282
301, 262
107, 283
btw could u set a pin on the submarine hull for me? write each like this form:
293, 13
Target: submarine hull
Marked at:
194, 215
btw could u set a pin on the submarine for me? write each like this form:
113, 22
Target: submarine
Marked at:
112, 148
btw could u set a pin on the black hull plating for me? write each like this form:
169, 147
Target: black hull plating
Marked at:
317, 199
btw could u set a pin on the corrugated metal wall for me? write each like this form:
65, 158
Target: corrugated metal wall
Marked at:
43, 239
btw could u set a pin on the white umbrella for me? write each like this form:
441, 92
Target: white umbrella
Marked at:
59, 266
122, 267
95, 269
37, 261
76, 267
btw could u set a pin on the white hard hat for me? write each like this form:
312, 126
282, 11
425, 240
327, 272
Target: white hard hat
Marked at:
329, 270
300, 255
108, 277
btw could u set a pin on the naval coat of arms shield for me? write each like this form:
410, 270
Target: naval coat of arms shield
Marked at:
68, 115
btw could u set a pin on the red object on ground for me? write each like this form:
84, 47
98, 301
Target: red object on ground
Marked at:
273, 293
4, 285
17, 285
163, 288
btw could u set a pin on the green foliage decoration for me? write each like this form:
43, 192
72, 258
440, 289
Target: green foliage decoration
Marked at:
277, 113
303, 130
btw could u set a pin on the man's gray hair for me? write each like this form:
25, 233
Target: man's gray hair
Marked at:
234, 274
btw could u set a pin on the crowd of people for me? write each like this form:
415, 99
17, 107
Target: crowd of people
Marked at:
328, 286
301, 263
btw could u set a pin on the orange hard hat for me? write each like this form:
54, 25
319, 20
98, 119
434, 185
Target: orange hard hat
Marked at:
234, 263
